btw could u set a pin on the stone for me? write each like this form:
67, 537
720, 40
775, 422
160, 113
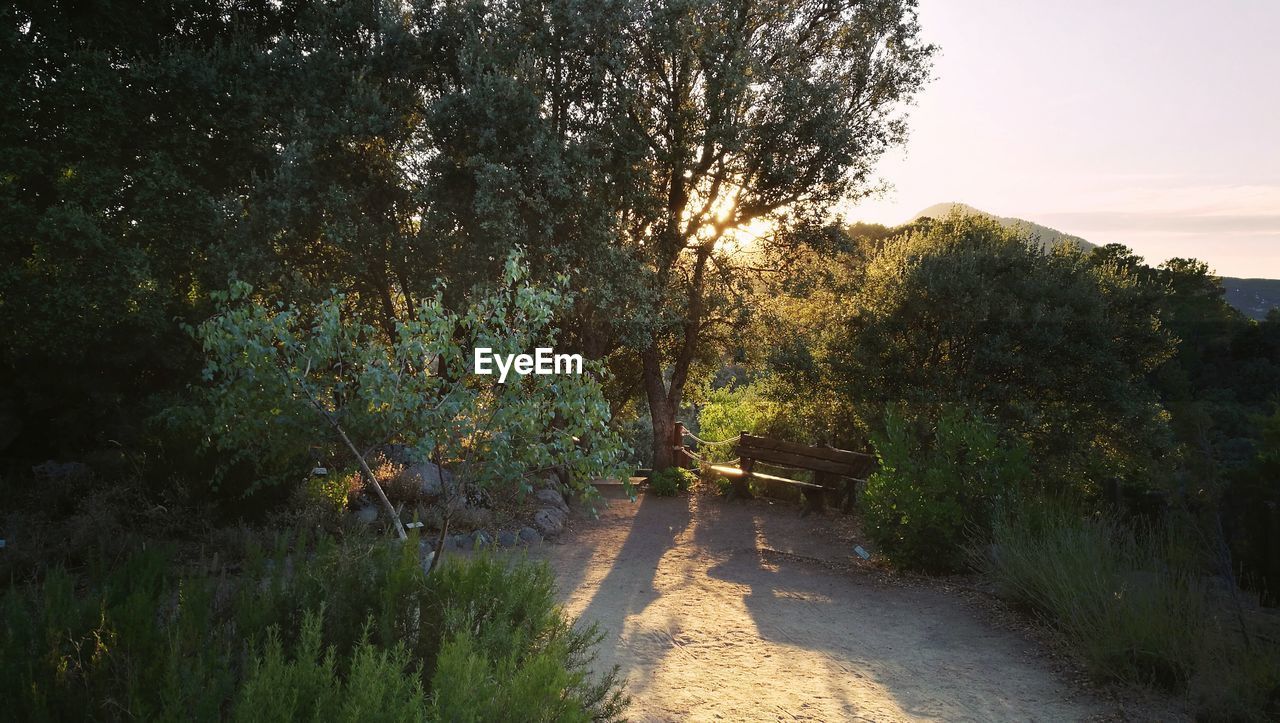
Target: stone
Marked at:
465, 542
366, 515
549, 521
58, 471
551, 498
401, 454
507, 538
451, 543
429, 477
480, 539
529, 536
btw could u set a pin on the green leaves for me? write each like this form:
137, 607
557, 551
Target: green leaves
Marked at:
280, 374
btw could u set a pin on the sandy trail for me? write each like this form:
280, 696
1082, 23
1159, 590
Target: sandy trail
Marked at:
712, 618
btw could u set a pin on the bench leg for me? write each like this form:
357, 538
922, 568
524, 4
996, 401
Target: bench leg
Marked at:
813, 501
742, 485
850, 496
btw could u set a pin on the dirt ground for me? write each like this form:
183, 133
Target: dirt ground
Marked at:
724, 610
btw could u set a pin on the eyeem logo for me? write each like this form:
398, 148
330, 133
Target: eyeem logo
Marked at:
543, 361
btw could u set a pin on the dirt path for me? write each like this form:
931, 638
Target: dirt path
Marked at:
714, 613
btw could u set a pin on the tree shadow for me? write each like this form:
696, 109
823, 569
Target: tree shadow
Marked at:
653, 531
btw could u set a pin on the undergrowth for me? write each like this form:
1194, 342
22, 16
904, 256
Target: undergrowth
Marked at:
305, 631
1132, 606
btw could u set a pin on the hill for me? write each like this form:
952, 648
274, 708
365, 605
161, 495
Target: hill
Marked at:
1045, 235
1252, 297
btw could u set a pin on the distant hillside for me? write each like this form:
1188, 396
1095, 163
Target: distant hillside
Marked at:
1252, 297
1045, 235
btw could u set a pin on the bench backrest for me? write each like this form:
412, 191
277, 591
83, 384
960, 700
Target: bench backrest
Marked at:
819, 459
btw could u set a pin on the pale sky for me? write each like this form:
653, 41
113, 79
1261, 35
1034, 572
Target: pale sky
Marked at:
1155, 124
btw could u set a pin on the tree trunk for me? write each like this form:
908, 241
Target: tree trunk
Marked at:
664, 424
661, 410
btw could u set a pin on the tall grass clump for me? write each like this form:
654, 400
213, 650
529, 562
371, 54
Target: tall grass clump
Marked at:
1132, 616
1133, 605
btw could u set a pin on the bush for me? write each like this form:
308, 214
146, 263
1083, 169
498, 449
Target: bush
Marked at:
935, 485
352, 631
671, 481
962, 312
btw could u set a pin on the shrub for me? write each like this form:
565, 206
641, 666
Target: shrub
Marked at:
935, 485
671, 481
352, 632
282, 377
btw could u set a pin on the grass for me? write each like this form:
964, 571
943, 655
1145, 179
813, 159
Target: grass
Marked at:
1134, 608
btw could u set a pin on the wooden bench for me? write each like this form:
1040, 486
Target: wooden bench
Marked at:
834, 469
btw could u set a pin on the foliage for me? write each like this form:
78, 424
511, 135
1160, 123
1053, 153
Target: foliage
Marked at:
352, 632
937, 484
306, 686
672, 481
1050, 348
1132, 607
729, 410
283, 375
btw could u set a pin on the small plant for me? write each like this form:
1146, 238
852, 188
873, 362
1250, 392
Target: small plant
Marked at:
671, 481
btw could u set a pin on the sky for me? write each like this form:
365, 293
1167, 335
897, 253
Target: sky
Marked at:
1152, 124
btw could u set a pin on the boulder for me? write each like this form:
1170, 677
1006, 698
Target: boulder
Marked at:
551, 498
507, 538
366, 515
401, 454
529, 536
480, 539
549, 521
465, 542
60, 471
429, 477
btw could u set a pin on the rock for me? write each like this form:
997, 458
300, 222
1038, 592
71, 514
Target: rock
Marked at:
427, 559
430, 478
401, 454
551, 498
465, 542
506, 538
451, 543
59, 471
529, 536
480, 539
366, 515
549, 521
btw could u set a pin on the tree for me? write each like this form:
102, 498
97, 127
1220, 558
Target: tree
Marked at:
121, 134
962, 313
745, 116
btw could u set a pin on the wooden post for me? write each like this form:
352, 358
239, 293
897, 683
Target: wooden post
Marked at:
682, 457
742, 485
